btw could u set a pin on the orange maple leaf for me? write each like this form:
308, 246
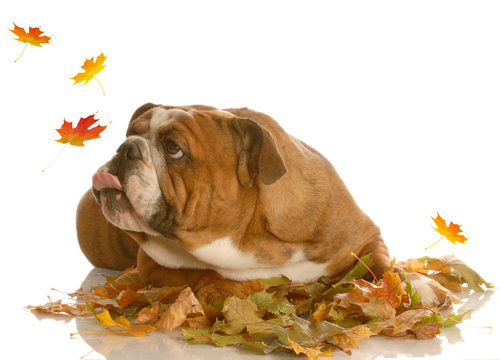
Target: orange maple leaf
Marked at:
31, 37
450, 232
82, 132
91, 68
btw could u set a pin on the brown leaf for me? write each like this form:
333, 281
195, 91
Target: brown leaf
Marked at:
428, 330
377, 308
351, 338
321, 312
407, 319
238, 313
393, 292
177, 313
148, 315
57, 307
125, 298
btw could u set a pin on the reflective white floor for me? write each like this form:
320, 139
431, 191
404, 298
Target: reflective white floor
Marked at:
402, 97
48, 337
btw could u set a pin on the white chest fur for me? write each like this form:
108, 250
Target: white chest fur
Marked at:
222, 256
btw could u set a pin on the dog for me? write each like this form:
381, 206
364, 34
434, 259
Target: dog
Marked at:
216, 199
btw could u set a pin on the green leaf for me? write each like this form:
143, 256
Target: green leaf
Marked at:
226, 340
238, 313
262, 299
455, 319
274, 282
269, 331
434, 318
469, 276
412, 293
197, 335
281, 306
359, 270
324, 329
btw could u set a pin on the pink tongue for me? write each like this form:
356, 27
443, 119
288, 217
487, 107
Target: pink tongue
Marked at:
101, 181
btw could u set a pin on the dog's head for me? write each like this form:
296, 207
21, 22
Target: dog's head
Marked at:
182, 168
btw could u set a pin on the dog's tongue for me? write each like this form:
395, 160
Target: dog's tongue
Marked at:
101, 181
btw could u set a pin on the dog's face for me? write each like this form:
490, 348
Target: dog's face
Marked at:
180, 169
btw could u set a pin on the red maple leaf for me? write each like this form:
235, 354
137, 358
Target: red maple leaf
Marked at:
32, 37
82, 132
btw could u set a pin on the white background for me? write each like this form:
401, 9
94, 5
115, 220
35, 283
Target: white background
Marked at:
402, 97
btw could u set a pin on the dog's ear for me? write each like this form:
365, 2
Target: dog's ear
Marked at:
141, 110
257, 153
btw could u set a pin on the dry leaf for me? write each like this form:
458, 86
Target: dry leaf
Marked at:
351, 338
428, 330
313, 319
148, 315
312, 352
122, 323
178, 312
57, 307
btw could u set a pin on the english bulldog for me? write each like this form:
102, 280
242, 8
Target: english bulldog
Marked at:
216, 199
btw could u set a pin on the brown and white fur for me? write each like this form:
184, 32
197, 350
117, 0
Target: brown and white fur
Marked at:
217, 199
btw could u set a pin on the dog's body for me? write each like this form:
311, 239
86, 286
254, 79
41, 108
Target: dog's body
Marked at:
216, 199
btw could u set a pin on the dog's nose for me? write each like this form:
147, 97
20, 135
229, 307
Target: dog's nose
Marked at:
130, 151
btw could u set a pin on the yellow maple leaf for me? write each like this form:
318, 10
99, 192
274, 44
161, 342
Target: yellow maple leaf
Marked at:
450, 232
91, 69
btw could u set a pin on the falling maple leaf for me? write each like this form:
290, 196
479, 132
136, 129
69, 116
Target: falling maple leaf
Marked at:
31, 37
82, 132
450, 232
91, 69
76, 136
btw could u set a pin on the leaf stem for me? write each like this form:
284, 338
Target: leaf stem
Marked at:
100, 85
366, 266
435, 243
57, 156
22, 52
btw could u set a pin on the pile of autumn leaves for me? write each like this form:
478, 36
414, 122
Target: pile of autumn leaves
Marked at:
314, 319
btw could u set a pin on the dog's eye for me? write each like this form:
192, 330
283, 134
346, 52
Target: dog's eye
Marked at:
173, 150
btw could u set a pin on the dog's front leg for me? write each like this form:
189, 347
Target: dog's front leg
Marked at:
207, 285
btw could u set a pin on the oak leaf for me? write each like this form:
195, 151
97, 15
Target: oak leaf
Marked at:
91, 69
82, 132
32, 37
